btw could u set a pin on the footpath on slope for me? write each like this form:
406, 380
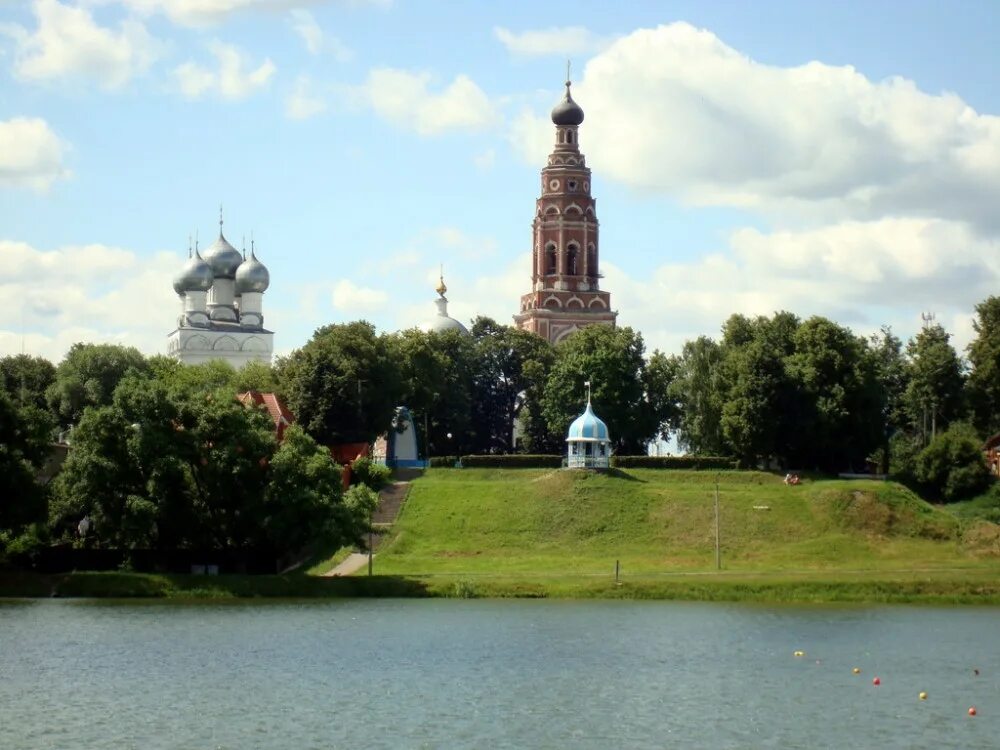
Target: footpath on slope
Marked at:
390, 501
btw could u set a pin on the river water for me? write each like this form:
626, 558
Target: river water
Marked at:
494, 674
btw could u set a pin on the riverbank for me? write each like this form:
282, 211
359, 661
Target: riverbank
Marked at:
924, 587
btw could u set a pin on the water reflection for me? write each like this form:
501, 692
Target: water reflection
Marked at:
402, 673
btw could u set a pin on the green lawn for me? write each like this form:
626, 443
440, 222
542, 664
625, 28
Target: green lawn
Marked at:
520, 524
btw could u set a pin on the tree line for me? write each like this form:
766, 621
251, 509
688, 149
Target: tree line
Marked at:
159, 444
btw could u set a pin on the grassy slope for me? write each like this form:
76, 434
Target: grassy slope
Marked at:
522, 524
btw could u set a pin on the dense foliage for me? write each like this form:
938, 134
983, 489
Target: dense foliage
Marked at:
164, 469
163, 455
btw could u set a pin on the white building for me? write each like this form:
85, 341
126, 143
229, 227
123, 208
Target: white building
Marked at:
221, 295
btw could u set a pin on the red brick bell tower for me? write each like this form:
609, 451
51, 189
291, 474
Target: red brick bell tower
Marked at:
565, 275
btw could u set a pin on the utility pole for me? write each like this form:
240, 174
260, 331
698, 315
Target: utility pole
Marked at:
718, 549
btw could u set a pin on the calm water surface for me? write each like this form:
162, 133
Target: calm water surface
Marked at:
477, 674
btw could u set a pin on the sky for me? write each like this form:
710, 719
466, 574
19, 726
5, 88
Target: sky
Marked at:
837, 159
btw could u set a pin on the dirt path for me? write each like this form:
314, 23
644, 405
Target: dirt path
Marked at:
355, 562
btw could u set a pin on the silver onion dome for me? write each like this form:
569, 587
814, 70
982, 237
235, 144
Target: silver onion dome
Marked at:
567, 112
252, 276
195, 276
223, 258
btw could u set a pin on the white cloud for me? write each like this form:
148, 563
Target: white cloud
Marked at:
199, 13
316, 41
68, 43
349, 296
562, 41
84, 293
303, 102
675, 110
404, 98
31, 155
231, 79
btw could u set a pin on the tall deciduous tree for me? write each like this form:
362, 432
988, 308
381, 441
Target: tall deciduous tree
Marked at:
27, 378
24, 445
88, 376
699, 391
762, 405
165, 469
840, 403
935, 394
343, 385
984, 357
509, 371
612, 360
893, 373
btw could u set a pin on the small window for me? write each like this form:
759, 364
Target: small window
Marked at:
571, 184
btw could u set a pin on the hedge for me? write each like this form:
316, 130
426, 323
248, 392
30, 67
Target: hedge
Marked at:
673, 462
443, 462
512, 461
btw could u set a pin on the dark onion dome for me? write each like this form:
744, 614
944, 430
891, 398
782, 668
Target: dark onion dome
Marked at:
195, 276
223, 258
567, 112
252, 276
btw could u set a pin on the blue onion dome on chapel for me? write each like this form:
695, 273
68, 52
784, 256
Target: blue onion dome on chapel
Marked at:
223, 257
195, 276
567, 112
252, 276
588, 426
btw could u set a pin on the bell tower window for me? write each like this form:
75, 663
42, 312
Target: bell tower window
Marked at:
572, 253
550, 260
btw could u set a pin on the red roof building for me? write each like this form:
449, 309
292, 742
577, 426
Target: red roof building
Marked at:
276, 408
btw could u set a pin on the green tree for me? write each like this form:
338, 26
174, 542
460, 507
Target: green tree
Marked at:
26, 379
984, 358
762, 409
88, 376
839, 411
344, 385
612, 360
24, 447
952, 467
166, 469
935, 394
510, 366
304, 502
699, 391
893, 373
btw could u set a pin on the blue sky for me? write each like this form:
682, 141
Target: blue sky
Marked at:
841, 160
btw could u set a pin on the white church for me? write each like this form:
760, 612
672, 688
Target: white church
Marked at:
221, 295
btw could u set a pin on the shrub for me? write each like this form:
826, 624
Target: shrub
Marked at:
673, 462
367, 472
952, 467
513, 461
443, 462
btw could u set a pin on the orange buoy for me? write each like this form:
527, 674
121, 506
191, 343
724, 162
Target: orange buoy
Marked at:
856, 670
972, 710
876, 681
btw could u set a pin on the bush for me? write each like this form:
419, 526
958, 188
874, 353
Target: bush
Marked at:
673, 462
953, 467
443, 462
367, 472
513, 461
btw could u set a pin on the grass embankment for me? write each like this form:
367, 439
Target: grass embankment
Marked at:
538, 533
543, 533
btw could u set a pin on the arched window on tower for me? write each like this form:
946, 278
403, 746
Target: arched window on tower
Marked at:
550, 259
592, 259
572, 253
